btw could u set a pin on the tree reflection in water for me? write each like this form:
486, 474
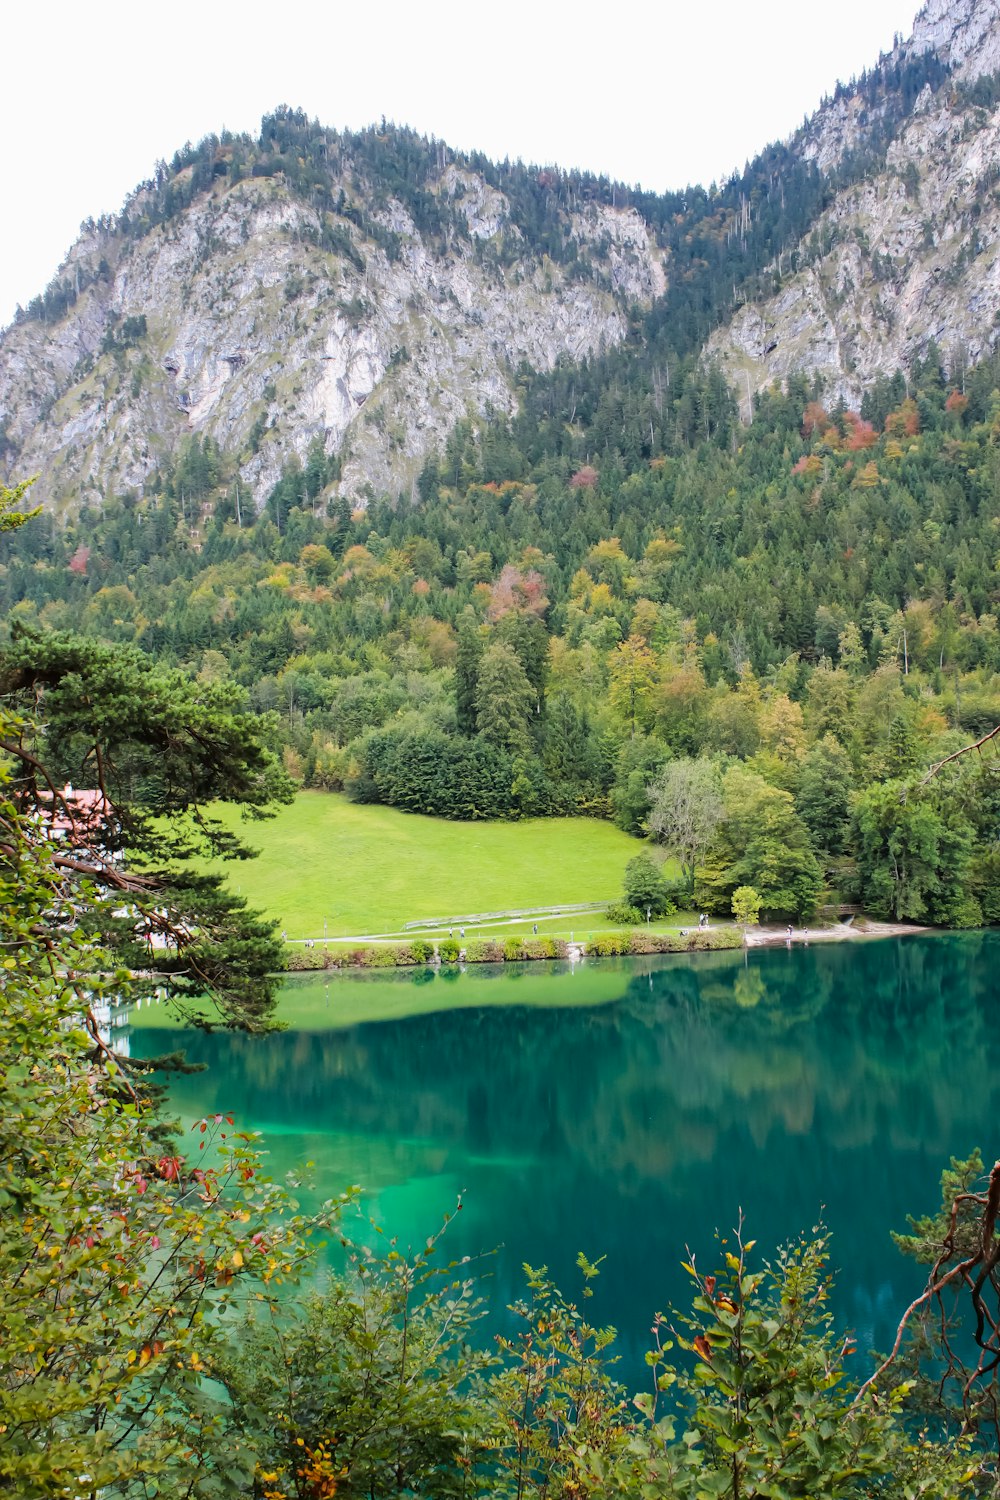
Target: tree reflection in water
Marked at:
832, 1082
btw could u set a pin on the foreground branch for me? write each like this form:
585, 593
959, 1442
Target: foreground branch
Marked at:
965, 750
985, 1254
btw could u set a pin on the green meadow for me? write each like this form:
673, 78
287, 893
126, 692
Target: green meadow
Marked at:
365, 869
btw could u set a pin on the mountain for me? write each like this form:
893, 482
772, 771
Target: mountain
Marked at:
366, 290
907, 251
345, 300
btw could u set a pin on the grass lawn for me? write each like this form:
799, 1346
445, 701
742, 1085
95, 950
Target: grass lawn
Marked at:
371, 869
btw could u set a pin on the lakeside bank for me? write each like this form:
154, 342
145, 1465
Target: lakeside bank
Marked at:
632, 942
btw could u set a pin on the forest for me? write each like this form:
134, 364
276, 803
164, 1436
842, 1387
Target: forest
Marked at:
164, 1331
602, 589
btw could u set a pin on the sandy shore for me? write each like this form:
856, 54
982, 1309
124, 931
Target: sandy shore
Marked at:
834, 932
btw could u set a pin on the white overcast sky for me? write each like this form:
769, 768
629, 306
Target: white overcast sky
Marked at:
663, 94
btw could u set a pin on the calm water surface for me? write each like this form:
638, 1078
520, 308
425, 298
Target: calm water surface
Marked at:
631, 1108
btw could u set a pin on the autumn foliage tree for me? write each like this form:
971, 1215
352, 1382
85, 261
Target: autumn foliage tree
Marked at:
119, 1260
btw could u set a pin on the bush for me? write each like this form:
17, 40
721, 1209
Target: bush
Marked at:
544, 947
303, 960
623, 915
390, 956
484, 951
641, 940
422, 950
383, 956
962, 911
513, 949
610, 945
448, 950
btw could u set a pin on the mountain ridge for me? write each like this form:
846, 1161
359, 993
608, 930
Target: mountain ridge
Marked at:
267, 321
369, 291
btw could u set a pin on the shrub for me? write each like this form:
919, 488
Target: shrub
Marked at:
448, 950
544, 947
693, 940
640, 940
624, 915
513, 949
719, 937
389, 956
484, 951
610, 945
422, 950
963, 911
302, 960
384, 956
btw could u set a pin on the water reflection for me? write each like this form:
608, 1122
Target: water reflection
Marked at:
831, 1081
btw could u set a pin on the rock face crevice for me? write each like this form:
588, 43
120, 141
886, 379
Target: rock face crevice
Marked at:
261, 337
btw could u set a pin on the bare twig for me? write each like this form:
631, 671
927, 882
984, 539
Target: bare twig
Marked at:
965, 750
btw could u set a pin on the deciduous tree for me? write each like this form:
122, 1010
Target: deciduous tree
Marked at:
685, 810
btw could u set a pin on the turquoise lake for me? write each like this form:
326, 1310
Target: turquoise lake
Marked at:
632, 1107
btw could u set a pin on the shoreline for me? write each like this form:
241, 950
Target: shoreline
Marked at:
771, 936
384, 954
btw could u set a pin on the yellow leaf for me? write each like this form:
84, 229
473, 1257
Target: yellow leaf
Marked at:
237, 1258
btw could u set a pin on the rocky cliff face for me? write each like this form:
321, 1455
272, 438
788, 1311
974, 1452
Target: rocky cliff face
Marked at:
366, 292
964, 33
907, 255
263, 322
